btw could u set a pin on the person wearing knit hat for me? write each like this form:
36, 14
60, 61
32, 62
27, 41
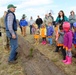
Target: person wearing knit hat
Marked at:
67, 44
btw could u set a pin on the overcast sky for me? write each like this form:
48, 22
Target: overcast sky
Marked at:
38, 7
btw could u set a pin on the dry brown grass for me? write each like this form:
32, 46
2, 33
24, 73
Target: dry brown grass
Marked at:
5, 68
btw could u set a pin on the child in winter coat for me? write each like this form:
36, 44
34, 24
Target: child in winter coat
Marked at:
67, 45
74, 36
50, 32
60, 39
56, 31
36, 35
43, 34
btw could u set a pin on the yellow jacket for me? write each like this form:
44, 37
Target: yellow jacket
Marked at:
43, 32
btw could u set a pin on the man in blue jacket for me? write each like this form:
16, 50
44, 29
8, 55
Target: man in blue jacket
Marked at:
11, 28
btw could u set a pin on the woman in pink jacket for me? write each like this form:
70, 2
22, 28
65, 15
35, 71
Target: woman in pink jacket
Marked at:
67, 45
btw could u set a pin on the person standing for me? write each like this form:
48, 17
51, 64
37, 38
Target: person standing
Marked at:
60, 39
59, 21
67, 44
39, 21
36, 35
11, 28
23, 23
50, 18
46, 20
43, 33
4, 37
31, 22
72, 18
61, 17
74, 38
50, 32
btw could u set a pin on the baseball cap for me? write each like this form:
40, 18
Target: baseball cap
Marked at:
11, 5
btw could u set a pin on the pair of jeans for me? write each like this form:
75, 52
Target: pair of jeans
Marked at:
13, 46
71, 25
30, 29
39, 26
50, 40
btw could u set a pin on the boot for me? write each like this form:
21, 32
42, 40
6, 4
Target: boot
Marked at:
44, 42
64, 61
69, 61
57, 48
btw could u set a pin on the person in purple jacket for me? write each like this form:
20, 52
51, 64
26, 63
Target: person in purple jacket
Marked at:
67, 44
50, 32
74, 37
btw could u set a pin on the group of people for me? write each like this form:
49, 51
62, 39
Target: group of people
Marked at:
66, 37
63, 28
65, 33
43, 28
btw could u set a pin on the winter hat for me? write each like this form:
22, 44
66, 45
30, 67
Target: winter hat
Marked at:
66, 26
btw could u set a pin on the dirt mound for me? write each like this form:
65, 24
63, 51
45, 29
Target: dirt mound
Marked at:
35, 63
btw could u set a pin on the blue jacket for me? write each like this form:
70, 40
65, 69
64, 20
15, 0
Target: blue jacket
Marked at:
23, 22
14, 21
74, 38
50, 31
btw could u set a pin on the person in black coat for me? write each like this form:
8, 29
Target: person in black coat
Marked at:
39, 21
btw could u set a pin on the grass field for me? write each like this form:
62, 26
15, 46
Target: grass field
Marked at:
46, 50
